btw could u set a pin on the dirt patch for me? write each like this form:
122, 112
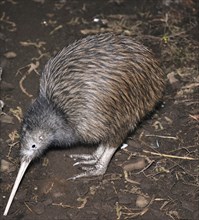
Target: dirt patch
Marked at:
156, 176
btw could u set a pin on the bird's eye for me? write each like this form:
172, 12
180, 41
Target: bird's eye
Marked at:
41, 138
33, 146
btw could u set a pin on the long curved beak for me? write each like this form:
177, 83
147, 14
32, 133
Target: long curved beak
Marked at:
22, 169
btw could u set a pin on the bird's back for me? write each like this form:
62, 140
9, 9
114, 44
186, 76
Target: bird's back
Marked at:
103, 84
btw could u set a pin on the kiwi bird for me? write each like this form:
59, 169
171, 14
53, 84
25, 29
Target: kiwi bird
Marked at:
93, 92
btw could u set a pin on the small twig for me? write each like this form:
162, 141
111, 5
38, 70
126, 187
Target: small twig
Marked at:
187, 101
151, 201
145, 168
170, 156
37, 45
183, 148
28, 207
118, 210
22, 87
164, 204
7, 21
161, 136
129, 180
130, 213
17, 113
195, 117
63, 205
32, 67
40, 57
50, 188
56, 29
84, 201
10, 149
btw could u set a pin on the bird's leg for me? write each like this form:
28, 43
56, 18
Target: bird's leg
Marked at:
100, 165
88, 158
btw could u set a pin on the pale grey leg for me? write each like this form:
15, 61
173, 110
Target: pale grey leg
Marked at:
88, 158
100, 165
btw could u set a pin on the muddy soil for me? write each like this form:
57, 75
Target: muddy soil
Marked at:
156, 175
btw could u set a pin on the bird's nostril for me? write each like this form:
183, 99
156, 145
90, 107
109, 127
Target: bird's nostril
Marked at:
33, 146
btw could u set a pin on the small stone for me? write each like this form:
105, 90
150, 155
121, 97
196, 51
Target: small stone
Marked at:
4, 118
142, 201
58, 194
10, 55
137, 165
173, 80
6, 166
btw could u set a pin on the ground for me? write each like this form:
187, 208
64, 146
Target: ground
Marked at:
156, 175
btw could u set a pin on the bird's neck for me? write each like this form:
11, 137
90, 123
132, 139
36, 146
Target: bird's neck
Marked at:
56, 120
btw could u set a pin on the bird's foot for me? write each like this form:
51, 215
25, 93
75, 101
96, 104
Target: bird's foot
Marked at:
94, 165
96, 170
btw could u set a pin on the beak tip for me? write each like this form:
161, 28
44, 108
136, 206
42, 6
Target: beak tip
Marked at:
24, 164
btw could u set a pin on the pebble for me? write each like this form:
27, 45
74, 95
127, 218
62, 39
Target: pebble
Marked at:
6, 166
142, 201
6, 119
138, 165
10, 54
